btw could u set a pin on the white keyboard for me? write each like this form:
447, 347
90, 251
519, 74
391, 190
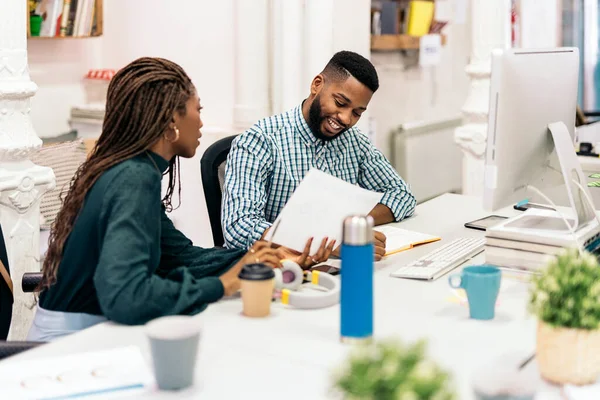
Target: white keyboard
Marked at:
441, 260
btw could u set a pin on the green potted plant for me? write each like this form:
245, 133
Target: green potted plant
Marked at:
391, 370
565, 297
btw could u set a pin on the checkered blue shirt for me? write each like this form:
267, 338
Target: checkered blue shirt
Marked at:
267, 162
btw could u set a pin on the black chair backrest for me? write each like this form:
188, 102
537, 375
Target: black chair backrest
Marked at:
212, 168
6, 297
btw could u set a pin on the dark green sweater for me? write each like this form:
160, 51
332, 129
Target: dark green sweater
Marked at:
125, 260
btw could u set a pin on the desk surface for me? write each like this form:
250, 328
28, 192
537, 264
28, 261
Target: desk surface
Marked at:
293, 353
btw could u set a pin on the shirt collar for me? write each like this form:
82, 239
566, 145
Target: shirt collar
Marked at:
154, 158
303, 128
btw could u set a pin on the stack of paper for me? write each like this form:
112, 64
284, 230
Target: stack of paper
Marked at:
529, 241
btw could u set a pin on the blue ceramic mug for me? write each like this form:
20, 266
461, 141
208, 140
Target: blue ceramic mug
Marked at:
482, 284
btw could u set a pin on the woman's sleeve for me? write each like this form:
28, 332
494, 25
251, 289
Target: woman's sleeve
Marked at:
129, 289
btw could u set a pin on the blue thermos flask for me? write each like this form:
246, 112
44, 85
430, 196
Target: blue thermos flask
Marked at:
356, 297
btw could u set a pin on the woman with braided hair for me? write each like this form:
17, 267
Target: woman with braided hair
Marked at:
113, 252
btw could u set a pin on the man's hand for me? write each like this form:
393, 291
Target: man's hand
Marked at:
379, 240
379, 244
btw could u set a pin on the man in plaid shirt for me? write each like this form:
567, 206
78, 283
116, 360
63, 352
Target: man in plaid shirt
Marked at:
267, 162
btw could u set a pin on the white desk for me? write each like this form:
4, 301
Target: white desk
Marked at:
293, 353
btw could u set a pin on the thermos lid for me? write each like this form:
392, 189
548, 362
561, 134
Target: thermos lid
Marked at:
256, 272
358, 230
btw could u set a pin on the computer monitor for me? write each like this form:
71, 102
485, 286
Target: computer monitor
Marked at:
531, 129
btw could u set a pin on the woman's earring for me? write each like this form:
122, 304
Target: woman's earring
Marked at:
176, 133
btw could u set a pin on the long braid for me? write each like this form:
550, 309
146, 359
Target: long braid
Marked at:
141, 100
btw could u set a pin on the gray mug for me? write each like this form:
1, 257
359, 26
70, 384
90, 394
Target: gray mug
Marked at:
174, 347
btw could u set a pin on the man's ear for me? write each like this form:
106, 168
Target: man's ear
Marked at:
317, 84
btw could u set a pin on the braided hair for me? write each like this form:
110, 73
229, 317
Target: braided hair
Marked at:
141, 100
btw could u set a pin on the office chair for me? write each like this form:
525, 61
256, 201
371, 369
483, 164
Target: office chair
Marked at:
212, 169
28, 284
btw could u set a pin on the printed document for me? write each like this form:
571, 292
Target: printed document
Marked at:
317, 208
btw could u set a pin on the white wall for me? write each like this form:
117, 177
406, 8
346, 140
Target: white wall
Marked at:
57, 67
194, 33
410, 93
198, 35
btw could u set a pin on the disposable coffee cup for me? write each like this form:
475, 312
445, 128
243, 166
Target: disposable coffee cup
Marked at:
174, 347
257, 283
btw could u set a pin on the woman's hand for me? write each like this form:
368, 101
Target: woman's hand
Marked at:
303, 259
262, 253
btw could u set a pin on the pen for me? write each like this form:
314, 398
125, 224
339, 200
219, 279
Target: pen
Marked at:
525, 362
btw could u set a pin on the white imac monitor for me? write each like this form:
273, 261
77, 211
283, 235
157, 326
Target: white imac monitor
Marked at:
531, 128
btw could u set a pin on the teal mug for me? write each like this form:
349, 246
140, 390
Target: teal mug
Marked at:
482, 284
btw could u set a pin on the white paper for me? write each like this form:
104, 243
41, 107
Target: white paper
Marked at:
430, 50
398, 239
119, 372
317, 208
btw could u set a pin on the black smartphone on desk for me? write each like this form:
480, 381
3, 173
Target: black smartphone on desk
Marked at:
482, 224
330, 269
526, 206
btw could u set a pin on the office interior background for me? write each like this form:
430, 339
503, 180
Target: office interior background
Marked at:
253, 58
250, 59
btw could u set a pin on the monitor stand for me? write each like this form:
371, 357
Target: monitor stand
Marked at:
571, 170
585, 229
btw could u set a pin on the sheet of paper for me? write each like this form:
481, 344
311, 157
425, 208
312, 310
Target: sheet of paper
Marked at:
317, 208
398, 239
430, 50
119, 372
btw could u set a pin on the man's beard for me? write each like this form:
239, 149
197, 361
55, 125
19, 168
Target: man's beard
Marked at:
315, 119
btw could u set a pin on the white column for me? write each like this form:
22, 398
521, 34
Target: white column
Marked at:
22, 183
318, 28
252, 70
287, 55
351, 23
540, 23
490, 26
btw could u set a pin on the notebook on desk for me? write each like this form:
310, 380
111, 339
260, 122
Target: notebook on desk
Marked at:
398, 239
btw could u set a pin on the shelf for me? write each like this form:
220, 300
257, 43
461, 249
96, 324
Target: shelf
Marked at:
397, 42
61, 37
98, 17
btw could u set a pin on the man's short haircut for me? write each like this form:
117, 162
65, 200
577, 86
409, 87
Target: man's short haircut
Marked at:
346, 63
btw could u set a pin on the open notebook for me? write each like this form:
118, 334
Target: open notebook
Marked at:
401, 239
